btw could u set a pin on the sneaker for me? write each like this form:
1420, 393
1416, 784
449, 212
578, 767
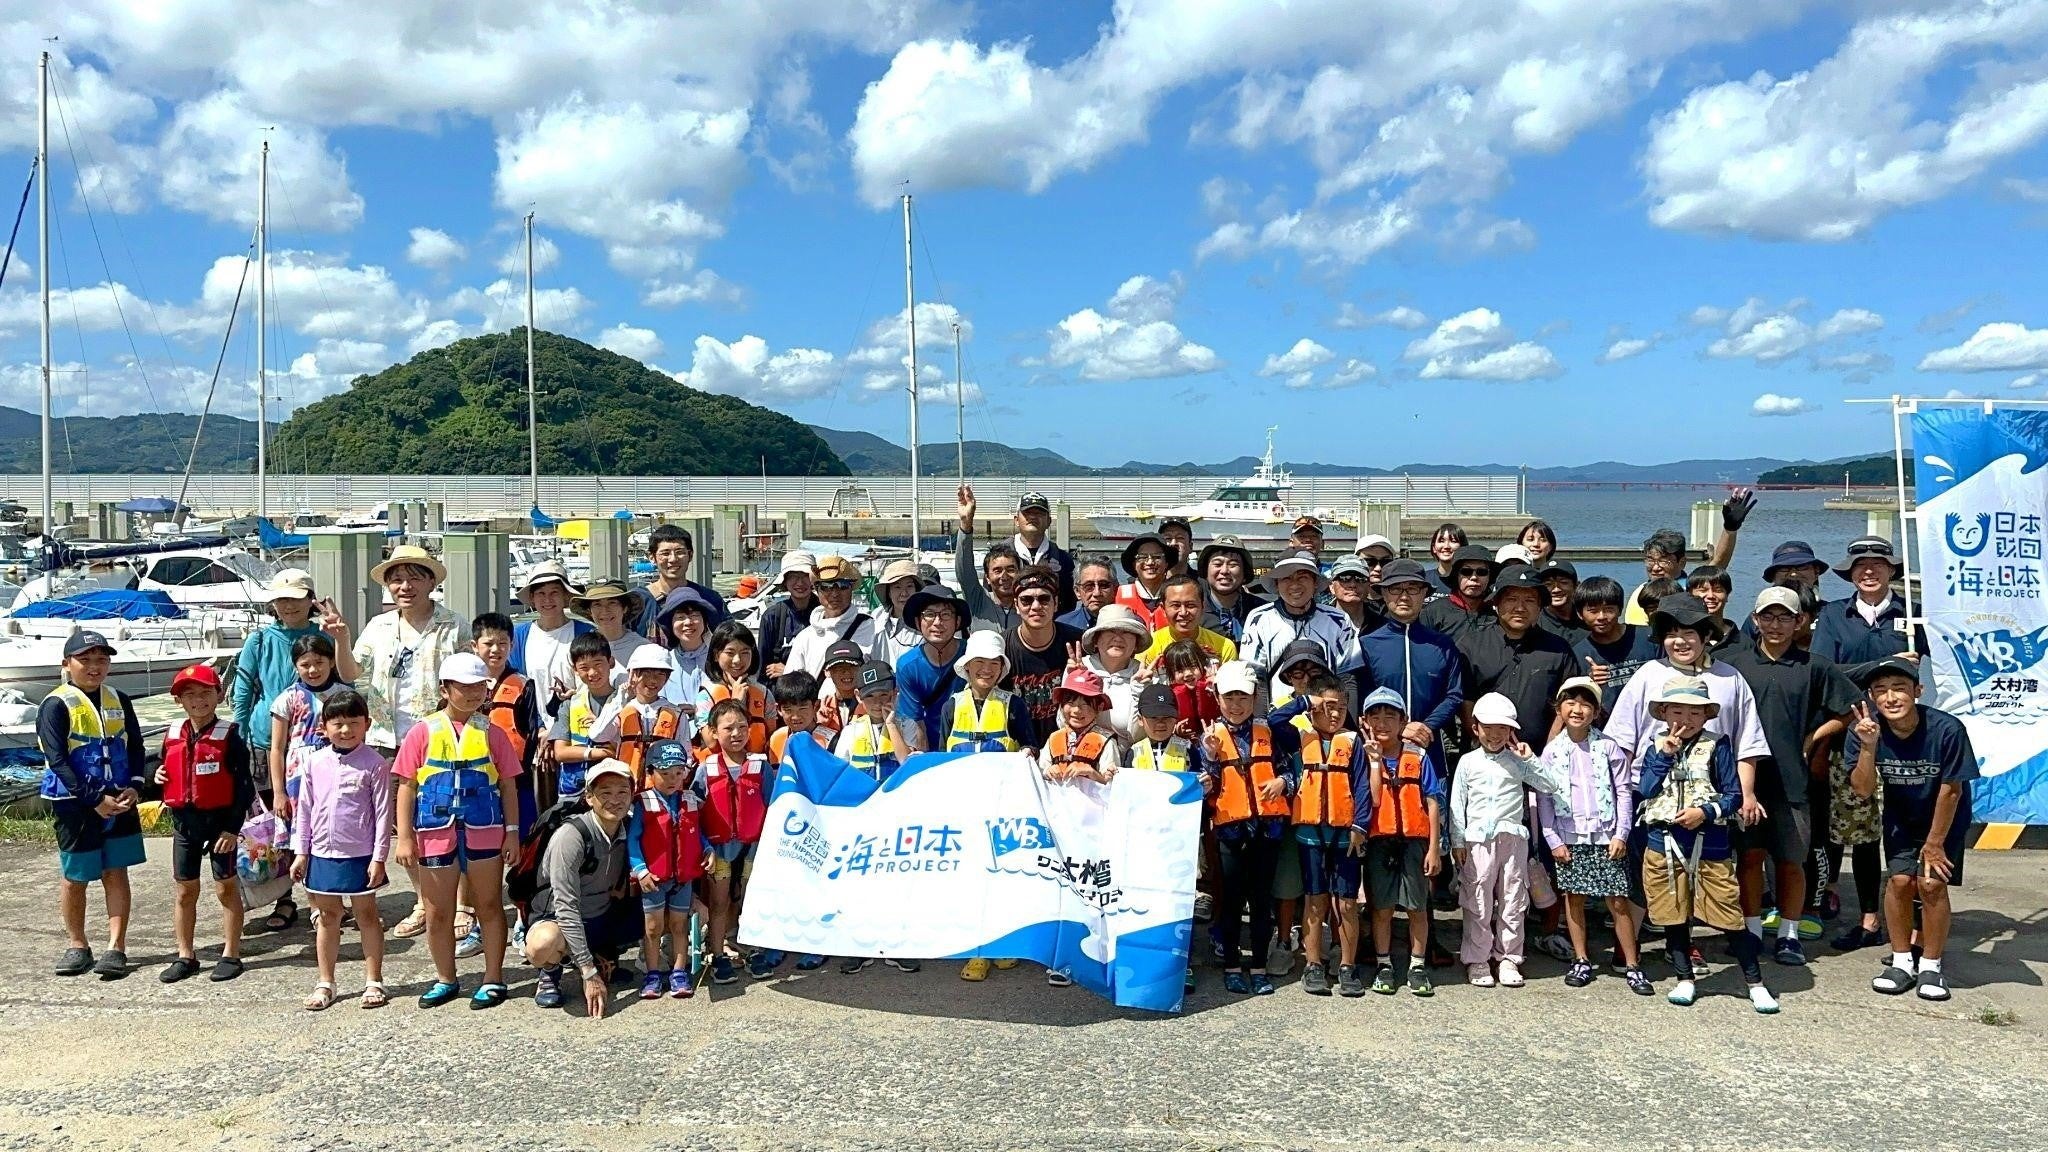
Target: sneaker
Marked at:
471, 944
1315, 980
1933, 986
1419, 983
1232, 982
722, 970
1280, 957
809, 962
75, 962
1479, 975
547, 988
1856, 937
1557, 946
1683, 994
1349, 984
655, 986
1893, 981
761, 965
1760, 998
1789, 952
1581, 974
1383, 981
1810, 927
905, 965
1639, 982
975, 970
1262, 984
1205, 907
853, 964
1054, 978
680, 985
1771, 919
1511, 974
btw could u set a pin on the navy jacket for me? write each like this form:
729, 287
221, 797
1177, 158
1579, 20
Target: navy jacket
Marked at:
1841, 636
1393, 651
1726, 802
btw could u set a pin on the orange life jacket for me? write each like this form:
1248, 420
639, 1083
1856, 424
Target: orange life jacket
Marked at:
1237, 796
757, 715
1401, 810
1063, 750
778, 744
1324, 796
504, 711
635, 734
1153, 613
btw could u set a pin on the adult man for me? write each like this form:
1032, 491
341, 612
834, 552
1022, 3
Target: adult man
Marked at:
1664, 550
1472, 574
1802, 703
1037, 646
1352, 592
1034, 547
835, 618
1307, 536
1094, 589
1147, 560
671, 550
1684, 631
1865, 628
1179, 535
1374, 551
580, 915
1793, 565
1560, 585
1413, 659
925, 679
1296, 580
784, 618
990, 595
1226, 567
1181, 600
1516, 658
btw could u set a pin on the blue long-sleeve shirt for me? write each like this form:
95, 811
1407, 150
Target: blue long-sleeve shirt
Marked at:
1841, 635
53, 732
1425, 667
636, 823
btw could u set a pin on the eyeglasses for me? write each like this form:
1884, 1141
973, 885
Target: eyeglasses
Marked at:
1033, 601
1096, 585
835, 585
1149, 558
1465, 572
935, 615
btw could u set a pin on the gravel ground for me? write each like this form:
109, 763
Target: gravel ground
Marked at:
888, 1060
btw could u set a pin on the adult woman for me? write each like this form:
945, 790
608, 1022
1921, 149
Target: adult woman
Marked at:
1539, 540
896, 635
1110, 650
606, 603
1444, 544
1148, 560
685, 624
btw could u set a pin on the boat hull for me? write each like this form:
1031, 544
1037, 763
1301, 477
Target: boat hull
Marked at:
1262, 533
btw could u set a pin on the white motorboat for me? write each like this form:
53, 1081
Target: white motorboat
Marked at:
144, 663
1257, 510
217, 577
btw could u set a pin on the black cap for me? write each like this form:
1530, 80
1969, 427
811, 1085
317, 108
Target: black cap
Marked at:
1157, 700
1401, 570
1683, 611
1517, 576
844, 652
874, 676
1034, 500
1554, 567
1180, 522
1889, 666
1466, 554
82, 642
1299, 651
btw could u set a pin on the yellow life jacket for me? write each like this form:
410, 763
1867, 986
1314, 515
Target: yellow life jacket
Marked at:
97, 746
1176, 756
984, 727
458, 782
867, 743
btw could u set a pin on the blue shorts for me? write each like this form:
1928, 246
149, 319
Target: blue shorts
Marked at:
674, 896
86, 865
461, 858
1330, 870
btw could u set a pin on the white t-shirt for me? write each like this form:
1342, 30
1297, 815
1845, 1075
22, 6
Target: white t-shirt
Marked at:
546, 658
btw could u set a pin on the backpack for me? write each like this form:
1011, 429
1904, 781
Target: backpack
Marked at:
523, 880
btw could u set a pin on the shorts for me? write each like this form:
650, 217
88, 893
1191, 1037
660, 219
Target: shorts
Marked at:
673, 896
1329, 870
1785, 833
1287, 879
462, 856
1591, 873
339, 876
89, 844
1712, 898
1852, 819
193, 833
733, 871
1906, 862
1393, 871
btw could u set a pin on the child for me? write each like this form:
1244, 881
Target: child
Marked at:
1712, 586
1922, 758
1490, 840
513, 708
93, 763
1187, 669
982, 717
665, 851
343, 832
1400, 827
1156, 746
1251, 769
733, 784
458, 808
796, 705
1335, 775
590, 657
734, 657
1079, 750
638, 717
1612, 649
839, 698
295, 725
208, 788
685, 621
1585, 826
1300, 662
874, 742
1689, 792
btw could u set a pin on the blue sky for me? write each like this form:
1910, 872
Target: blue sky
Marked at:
1469, 231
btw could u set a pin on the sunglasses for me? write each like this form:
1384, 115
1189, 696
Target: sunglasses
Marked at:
1347, 578
1097, 585
1373, 561
835, 585
1033, 601
1464, 572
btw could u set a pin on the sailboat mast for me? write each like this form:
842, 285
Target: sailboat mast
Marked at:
910, 326
959, 407
532, 425
262, 334
43, 273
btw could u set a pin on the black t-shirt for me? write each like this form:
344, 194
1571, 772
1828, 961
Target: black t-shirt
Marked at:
1794, 696
1569, 630
1527, 670
1911, 772
1621, 658
1034, 674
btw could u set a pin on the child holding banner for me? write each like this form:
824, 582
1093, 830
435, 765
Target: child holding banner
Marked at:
733, 785
875, 742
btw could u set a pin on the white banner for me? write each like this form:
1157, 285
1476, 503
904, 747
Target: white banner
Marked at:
975, 854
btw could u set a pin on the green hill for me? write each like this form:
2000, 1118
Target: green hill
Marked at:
1868, 470
461, 410
147, 442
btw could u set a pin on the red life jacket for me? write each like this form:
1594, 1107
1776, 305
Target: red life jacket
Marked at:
672, 843
196, 770
735, 798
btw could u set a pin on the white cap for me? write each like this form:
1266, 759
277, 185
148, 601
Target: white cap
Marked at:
465, 668
649, 658
1236, 676
1374, 540
1513, 552
1778, 597
1494, 708
289, 584
607, 767
797, 560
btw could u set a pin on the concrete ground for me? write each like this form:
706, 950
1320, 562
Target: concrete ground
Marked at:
886, 1060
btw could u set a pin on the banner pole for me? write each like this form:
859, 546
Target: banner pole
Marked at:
1908, 520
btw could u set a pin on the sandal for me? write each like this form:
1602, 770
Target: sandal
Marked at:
279, 920
465, 922
414, 924
374, 995
322, 997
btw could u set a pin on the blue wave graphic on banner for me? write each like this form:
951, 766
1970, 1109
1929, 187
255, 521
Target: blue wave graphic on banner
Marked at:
1952, 444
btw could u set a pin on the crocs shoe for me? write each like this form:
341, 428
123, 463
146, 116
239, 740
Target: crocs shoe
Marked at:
1771, 919
1810, 927
1479, 975
1511, 974
975, 970
75, 962
183, 968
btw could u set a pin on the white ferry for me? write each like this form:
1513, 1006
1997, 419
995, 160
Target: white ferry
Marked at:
1256, 510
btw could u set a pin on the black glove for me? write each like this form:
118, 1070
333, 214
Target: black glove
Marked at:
1736, 509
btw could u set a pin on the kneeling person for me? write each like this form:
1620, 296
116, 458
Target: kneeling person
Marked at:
580, 915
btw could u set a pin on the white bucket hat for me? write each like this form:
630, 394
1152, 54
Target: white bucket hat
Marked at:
1116, 618
986, 644
796, 561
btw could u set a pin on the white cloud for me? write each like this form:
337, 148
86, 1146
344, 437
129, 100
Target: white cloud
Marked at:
1233, 239
1352, 371
1758, 331
433, 248
546, 254
1514, 363
1298, 364
1477, 328
502, 305
1767, 340
1772, 404
747, 369
329, 367
319, 295
208, 161
1135, 339
1824, 154
1626, 348
1706, 316
2000, 347
1848, 322
1401, 316
633, 343
2030, 380
99, 308
884, 351
701, 287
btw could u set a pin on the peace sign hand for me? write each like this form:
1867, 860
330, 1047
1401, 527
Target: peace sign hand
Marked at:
1866, 725
1073, 653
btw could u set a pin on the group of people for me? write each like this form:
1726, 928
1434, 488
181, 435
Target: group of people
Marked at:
1376, 737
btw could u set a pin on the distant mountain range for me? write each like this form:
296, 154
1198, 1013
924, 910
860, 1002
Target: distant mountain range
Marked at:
146, 442
871, 455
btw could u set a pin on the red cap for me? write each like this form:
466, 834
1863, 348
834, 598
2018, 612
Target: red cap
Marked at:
1080, 682
198, 675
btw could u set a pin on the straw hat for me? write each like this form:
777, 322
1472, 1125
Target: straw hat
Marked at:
414, 555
